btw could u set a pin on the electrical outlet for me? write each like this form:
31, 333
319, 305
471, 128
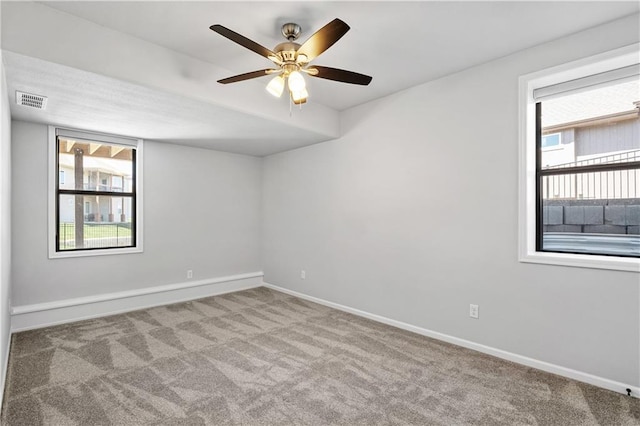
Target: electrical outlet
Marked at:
189, 273
303, 274
473, 311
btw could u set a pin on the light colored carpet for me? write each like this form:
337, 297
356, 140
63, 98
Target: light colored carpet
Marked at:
260, 357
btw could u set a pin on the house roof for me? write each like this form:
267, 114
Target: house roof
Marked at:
598, 102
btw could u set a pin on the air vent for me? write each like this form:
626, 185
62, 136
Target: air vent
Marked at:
31, 100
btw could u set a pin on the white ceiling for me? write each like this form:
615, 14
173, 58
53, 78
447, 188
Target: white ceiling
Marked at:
400, 44
89, 101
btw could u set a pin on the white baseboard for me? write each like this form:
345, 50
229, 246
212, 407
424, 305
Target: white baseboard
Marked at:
40, 315
509, 356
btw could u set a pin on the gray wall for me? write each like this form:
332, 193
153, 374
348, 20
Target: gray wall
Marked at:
5, 225
380, 221
618, 216
201, 212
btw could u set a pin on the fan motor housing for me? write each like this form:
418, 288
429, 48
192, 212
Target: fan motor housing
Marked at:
287, 50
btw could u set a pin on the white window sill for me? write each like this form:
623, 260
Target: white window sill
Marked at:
583, 261
85, 253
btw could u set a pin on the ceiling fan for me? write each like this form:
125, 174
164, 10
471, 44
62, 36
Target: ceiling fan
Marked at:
292, 59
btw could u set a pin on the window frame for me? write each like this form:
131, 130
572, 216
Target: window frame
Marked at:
53, 192
529, 195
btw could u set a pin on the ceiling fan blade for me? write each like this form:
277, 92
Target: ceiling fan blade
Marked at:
242, 40
247, 76
343, 76
323, 39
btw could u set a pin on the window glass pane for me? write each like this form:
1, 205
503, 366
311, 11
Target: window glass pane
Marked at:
598, 126
551, 140
91, 221
105, 167
596, 227
592, 211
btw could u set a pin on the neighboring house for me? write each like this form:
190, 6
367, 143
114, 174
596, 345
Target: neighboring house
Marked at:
102, 174
594, 127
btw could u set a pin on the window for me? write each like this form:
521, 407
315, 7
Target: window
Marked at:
550, 141
95, 203
580, 163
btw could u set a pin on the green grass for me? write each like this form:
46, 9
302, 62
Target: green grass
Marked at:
91, 230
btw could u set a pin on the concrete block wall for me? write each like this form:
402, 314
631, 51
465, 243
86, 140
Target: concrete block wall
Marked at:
592, 216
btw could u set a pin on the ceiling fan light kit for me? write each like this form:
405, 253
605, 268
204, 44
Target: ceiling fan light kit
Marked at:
300, 96
292, 60
276, 86
296, 82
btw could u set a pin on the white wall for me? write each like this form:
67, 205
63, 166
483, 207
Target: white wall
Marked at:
413, 214
201, 212
5, 226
